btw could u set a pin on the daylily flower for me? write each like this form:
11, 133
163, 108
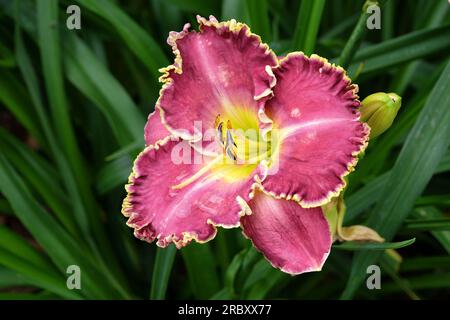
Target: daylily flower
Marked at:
305, 112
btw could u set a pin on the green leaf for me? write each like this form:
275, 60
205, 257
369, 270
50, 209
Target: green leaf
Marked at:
28, 296
94, 80
197, 6
438, 200
421, 263
387, 20
202, 272
131, 149
389, 266
428, 224
404, 77
370, 193
363, 246
361, 200
424, 147
14, 96
223, 294
161, 272
434, 13
168, 16
235, 9
427, 213
41, 175
28, 266
10, 278
339, 28
239, 269
84, 206
6, 57
5, 208
427, 281
308, 22
36, 276
232, 271
402, 49
259, 18
61, 247
113, 174
48, 35
138, 41
12, 242
261, 280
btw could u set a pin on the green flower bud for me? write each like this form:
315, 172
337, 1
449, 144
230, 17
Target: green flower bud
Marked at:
379, 111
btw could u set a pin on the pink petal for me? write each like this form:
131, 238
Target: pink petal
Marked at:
217, 69
154, 132
315, 107
157, 211
293, 239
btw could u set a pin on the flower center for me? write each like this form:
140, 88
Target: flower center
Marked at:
225, 138
243, 148
242, 145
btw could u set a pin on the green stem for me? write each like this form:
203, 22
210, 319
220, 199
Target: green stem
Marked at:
356, 37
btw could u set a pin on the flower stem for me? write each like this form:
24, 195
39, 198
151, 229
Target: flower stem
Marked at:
356, 37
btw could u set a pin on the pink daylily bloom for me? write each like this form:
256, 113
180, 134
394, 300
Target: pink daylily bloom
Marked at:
188, 181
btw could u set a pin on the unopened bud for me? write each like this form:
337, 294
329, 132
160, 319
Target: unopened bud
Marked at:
379, 111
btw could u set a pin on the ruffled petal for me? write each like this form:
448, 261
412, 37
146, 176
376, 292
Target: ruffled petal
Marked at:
293, 239
158, 208
315, 110
217, 70
154, 132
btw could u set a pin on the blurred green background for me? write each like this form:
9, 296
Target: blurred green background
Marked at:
73, 104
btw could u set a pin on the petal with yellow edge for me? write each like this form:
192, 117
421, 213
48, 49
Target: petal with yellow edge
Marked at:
173, 199
315, 114
155, 132
218, 69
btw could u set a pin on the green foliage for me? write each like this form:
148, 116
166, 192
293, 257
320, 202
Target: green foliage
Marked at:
73, 105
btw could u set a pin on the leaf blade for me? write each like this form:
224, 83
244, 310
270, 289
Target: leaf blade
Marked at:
426, 144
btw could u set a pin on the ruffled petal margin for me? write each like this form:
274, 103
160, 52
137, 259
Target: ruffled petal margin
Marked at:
293, 239
155, 133
158, 211
315, 109
222, 67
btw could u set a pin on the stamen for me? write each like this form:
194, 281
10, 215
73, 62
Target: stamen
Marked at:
230, 146
218, 124
250, 148
220, 133
217, 121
